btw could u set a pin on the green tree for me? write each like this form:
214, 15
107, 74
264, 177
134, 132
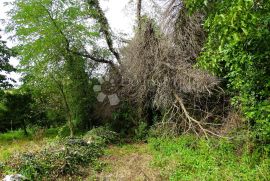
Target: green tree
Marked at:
5, 54
17, 112
57, 42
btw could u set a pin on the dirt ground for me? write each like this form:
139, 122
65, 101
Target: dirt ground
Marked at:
128, 163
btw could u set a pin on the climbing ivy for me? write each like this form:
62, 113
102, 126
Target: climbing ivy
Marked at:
237, 49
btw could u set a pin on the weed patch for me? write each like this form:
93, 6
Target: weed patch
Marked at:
190, 158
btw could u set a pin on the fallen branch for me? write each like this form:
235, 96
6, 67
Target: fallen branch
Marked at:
190, 119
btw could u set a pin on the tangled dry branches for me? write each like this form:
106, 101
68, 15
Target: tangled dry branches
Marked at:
159, 72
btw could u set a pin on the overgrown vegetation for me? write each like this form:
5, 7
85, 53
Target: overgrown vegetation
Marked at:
59, 157
237, 50
190, 158
192, 91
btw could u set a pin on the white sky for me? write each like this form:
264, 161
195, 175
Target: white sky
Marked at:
116, 12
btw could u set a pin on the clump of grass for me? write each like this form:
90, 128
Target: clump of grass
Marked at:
190, 158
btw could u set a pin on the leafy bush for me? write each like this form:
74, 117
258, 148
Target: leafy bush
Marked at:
64, 131
237, 49
61, 157
188, 158
101, 135
124, 120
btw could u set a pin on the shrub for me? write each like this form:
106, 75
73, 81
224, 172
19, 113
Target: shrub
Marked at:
64, 131
237, 49
124, 120
101, 135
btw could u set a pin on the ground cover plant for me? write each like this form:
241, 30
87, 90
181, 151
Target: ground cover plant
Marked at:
189, 158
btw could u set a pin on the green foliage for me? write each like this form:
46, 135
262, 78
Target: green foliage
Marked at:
48, 34
33, 132
64, 131
12, 135
190, 158
141, 131
102, 135
17, 112
64, 157
124, 120
237, 49
5, 54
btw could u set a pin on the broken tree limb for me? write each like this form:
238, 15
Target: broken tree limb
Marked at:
191, 119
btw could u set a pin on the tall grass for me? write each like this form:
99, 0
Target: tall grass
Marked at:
188, 158
12, 135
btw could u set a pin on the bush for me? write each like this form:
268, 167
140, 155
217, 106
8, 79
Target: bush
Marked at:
61, 157
237, 49
101, 135
124, 120
141, 132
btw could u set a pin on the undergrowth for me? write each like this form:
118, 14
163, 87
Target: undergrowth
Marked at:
191, 158
60, 157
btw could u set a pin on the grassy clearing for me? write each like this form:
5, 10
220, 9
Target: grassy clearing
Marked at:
15, 142
188, 158
12, 135
183, 158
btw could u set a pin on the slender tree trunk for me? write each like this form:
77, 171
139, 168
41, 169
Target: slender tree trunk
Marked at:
69, 114
70, 124
24, 128
139, 16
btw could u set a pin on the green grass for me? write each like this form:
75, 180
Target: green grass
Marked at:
12, 135
16, 141
183, 158
32, 134
188, 158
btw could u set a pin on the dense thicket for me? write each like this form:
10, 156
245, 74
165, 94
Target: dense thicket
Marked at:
206, 61
237, 49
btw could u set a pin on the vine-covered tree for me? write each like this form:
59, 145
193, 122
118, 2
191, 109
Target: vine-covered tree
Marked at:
238, 49
58, 41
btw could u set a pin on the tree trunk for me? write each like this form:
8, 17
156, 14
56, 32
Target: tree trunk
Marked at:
139, 16
24, 128
69, 114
